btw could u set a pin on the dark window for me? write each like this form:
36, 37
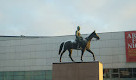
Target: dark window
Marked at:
26, 75
106, 73
115, 70
125, 72
115, 73
134, 72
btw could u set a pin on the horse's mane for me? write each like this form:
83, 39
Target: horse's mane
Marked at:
89, 37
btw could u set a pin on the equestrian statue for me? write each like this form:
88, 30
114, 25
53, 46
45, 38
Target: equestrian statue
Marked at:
78, 44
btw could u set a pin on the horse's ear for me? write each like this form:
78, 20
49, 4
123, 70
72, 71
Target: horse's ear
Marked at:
94, 31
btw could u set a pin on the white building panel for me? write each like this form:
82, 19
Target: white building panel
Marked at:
121, 42
38, 53
105, 36
118, 35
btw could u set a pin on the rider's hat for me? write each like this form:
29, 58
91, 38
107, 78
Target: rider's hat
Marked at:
78, 27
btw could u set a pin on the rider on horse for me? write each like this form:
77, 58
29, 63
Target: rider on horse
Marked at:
78, 37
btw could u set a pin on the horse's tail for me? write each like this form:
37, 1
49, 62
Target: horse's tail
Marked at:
61, 46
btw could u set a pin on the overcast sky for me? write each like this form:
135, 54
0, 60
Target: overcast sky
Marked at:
61, 17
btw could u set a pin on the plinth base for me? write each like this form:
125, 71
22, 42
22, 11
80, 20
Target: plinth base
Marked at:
78, 71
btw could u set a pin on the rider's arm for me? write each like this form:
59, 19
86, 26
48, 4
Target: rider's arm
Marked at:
77, 34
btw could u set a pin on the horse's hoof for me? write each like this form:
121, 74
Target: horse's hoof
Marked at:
73, 61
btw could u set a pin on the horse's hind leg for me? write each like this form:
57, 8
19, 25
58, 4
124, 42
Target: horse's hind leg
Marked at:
92, 53
82, 54
62, 54
70, 52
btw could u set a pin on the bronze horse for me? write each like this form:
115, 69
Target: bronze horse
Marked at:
84, 45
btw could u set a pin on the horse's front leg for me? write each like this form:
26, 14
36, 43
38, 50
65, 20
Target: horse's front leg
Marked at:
83, 50
70, 52
92, 53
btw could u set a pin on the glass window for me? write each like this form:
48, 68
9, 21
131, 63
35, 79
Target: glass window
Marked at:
106, 73
48, 77
134, 69
9, 78
39, 77
134, 75
1, 78
49, 72
28, 73
9, 73
19, 73
29, 77
134, 72
125, 72
1, 73
18, 77
115, 70
39, 73
115, 73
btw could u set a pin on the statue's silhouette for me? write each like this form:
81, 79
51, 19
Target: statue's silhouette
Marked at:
84, 45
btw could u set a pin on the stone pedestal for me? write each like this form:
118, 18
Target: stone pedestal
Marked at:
78, 71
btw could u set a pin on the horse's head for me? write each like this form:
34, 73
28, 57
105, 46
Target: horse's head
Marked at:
94, 34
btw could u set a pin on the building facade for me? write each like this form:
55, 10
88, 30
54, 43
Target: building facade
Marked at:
31, 58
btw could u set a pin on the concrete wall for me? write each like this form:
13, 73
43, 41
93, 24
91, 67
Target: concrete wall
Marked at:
38, 53
78, 71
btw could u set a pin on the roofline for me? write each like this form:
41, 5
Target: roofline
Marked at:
58, 36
